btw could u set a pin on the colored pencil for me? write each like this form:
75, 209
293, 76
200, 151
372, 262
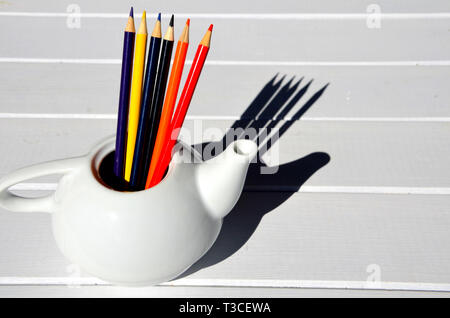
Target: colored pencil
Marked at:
124, 96
157, 102
182, 108
147, 96
171, 96
136, 92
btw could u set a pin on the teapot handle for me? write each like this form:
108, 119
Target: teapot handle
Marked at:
16, 203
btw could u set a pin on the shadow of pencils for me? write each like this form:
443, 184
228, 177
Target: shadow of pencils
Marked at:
263, 192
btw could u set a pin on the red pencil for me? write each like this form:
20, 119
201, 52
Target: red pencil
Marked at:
182, 108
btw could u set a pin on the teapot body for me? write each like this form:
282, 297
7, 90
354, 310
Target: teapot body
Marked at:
132, 238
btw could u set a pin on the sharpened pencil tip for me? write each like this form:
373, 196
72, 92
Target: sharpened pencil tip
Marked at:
143, 24
210, 28
131, 12
171, 21
159, 16
188, 22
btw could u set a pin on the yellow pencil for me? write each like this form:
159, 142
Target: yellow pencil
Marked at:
136, 90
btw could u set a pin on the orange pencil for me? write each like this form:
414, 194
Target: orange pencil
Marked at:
182, 108
171, 96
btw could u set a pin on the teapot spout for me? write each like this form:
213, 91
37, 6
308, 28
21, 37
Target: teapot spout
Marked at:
221, 179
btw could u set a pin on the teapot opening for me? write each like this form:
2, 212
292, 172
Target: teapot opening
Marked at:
107, 177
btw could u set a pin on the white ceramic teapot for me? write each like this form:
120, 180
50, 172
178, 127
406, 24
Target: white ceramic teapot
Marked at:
136, 238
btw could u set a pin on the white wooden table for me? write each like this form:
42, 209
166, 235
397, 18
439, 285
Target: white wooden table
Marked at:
360, 205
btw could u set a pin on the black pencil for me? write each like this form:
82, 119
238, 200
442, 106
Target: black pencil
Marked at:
142, 137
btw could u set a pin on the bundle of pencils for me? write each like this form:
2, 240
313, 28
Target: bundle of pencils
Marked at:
148, 123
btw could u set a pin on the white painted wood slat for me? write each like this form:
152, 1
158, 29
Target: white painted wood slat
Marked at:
231, 6
354, 92
343, 153
291, 40
282, 238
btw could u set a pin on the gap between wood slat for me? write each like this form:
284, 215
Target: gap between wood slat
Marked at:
249, 283
234, 63
244, 16
197, 117
304, 189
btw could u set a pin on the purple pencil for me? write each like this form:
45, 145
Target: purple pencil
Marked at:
124, 97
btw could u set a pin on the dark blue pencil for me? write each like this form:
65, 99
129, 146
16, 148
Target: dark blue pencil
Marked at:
146, 104
124, 96
158, 100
